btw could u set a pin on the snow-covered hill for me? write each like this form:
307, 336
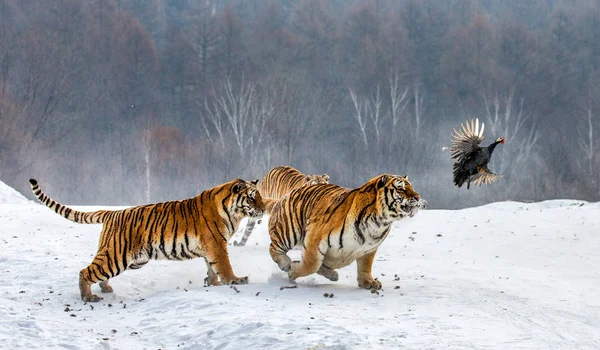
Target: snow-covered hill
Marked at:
502, 276
9, 195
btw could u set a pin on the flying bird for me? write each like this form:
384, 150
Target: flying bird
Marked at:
471, 160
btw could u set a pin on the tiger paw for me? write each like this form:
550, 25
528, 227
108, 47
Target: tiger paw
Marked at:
293, 273
211, 282
328, 273
237, 280
372, 284
292, 276
332, 276
92, 298
107, 289
285, 268
286, 264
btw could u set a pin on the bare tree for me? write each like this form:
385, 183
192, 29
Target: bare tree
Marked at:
236, 105
217, 121
231, 52
361, 110
134, 67
588, 144
419, 107
510, 120
398, 100
147, 150
375, 115
244, 112
263, 111
205, 36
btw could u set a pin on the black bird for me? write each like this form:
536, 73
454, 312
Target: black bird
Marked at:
470, 160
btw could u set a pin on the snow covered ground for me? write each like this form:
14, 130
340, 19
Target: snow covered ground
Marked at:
11, 196
502, 276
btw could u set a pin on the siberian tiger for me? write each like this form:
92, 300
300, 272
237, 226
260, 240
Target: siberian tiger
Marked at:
278, 182
175, 230
335, 226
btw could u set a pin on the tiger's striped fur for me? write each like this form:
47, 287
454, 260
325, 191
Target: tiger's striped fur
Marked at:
278, 182
335, 226
177, 230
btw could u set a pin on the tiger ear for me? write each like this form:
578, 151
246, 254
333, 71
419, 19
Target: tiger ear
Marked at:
326, 177
307, 177
383, 179
254, 182
405, 177
238, 186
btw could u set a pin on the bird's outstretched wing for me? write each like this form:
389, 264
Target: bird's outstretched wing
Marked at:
484, 177
466, 140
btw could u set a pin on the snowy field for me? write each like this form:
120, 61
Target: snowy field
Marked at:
502, 276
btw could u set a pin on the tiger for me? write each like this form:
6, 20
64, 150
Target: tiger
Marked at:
278, 182
335, 226
176, 230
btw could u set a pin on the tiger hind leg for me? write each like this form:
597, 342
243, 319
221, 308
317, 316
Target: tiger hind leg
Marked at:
99, 271
105, 287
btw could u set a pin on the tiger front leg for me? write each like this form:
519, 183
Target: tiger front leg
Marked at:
221, 266
312, 260
105, 287
328, 273
364, 276
280, 257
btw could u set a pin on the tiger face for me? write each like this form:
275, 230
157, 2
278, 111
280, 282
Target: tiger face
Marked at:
313, 179
246, 199
398, 198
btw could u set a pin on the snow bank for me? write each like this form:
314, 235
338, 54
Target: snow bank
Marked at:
9, 195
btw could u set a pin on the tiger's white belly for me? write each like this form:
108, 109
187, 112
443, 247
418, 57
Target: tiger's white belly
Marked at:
174, 252
352, 247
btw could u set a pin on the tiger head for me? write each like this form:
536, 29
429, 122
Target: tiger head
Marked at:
313, 179
397, 196
246, 199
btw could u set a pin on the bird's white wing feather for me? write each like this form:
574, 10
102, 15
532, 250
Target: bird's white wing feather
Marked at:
466, 140
484, 178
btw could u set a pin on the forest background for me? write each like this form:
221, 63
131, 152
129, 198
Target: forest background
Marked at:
129, 101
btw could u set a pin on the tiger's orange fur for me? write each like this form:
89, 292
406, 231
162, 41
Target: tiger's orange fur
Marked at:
177, 230
335, 226
278, 182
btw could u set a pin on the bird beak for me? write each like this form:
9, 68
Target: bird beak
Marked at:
503, 141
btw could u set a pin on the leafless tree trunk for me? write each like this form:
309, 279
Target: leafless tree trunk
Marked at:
504, 122
147, 144
205, 36
374, 115
244, 112
296, 112
262, 111
215, 117
586, 141
398, 101
236, 106
361, 110
419, 107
